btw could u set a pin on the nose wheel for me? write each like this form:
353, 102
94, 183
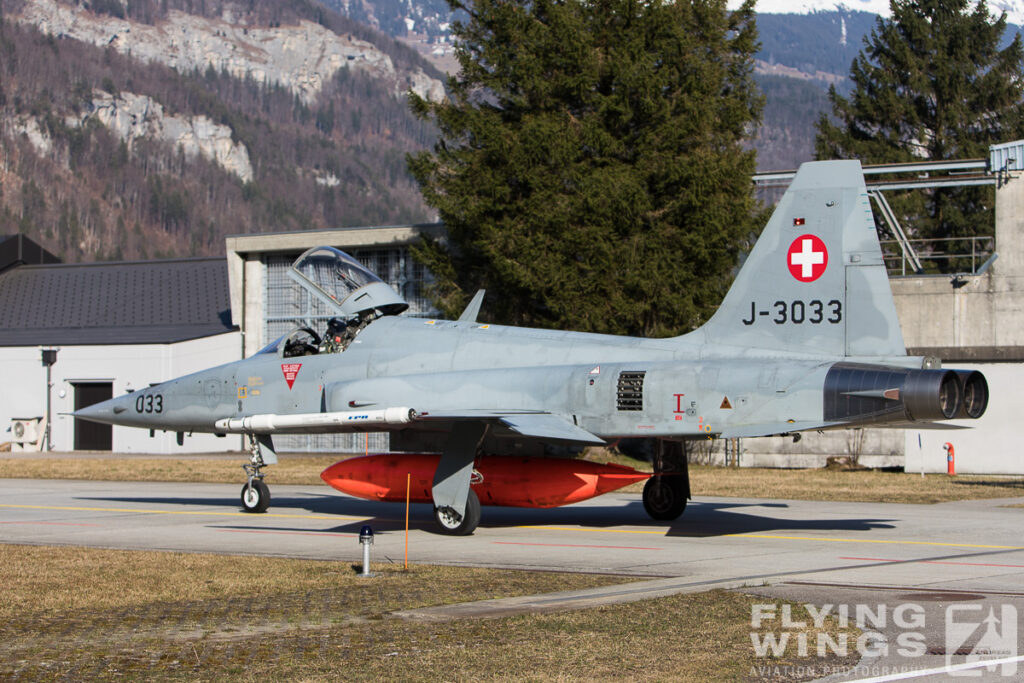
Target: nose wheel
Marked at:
255, 493
255, 496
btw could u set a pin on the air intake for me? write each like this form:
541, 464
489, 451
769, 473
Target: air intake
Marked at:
630, 391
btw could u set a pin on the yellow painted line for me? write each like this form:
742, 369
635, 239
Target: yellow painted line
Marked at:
177, 512
775, 537
656, 532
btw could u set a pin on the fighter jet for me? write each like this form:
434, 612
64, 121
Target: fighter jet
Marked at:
807, 338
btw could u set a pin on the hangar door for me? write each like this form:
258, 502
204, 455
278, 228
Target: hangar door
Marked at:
92, 436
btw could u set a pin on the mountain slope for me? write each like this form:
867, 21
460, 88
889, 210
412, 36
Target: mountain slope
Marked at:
105, 155
806, 46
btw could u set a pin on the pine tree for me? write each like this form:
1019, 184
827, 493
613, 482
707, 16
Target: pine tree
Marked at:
590, 169
931, 84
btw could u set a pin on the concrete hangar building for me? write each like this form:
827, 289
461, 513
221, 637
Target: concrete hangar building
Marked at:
105, 329
117, 327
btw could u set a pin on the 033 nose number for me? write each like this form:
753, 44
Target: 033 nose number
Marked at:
149, 403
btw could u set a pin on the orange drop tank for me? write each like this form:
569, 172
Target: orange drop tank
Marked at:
497, 480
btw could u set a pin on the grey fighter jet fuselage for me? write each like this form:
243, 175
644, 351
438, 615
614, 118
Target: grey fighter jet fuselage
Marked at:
806, 339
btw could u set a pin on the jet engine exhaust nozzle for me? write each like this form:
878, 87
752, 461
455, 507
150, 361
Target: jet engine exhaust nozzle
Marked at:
859, 392
975, 388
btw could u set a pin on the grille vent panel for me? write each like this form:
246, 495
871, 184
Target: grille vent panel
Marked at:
630, 390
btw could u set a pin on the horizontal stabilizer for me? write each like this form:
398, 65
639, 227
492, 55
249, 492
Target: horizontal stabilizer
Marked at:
780, 428
927, 426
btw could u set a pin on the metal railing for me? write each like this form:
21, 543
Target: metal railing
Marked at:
968, 254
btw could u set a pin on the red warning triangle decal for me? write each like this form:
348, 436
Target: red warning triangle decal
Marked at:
291, 371
725, 404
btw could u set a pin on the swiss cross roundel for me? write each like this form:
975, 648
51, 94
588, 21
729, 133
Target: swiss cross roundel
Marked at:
807, 258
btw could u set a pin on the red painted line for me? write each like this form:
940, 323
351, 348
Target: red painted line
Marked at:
959, 564
292, 533
570, 545
54, 523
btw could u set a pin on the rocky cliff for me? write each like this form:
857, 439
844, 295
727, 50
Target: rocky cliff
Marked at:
133, 116
301, 58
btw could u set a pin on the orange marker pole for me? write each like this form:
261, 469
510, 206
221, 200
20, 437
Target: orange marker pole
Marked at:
408, 485
366, 441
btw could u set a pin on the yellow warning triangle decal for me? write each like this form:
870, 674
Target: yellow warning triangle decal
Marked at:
725, 404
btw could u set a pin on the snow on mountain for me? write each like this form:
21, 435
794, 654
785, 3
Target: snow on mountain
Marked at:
808, 6
1014, 8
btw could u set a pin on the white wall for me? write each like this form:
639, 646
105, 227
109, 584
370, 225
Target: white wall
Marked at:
23, 392
992, 444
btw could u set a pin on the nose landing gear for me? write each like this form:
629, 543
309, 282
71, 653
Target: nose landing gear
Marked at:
255, 493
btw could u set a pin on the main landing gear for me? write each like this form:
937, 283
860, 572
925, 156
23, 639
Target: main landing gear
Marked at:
255, 493
666, 493
456, 506
451, 523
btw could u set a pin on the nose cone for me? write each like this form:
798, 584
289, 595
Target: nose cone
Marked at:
113, 411
383, 476
355, 477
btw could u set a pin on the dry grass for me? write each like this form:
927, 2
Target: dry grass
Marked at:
868, 486
302, 470
45, 580
818, 484
85, 614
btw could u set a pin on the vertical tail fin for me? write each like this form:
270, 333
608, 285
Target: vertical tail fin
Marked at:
815, 281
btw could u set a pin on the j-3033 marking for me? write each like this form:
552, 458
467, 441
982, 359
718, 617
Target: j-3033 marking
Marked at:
814, 312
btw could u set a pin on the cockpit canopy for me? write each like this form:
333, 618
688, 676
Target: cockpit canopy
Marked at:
344, 284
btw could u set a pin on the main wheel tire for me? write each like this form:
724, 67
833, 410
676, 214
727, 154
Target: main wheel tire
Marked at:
448, 523
256, 498
665, 496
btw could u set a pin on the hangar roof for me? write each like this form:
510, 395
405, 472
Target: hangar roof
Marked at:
18, 250
139, 302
